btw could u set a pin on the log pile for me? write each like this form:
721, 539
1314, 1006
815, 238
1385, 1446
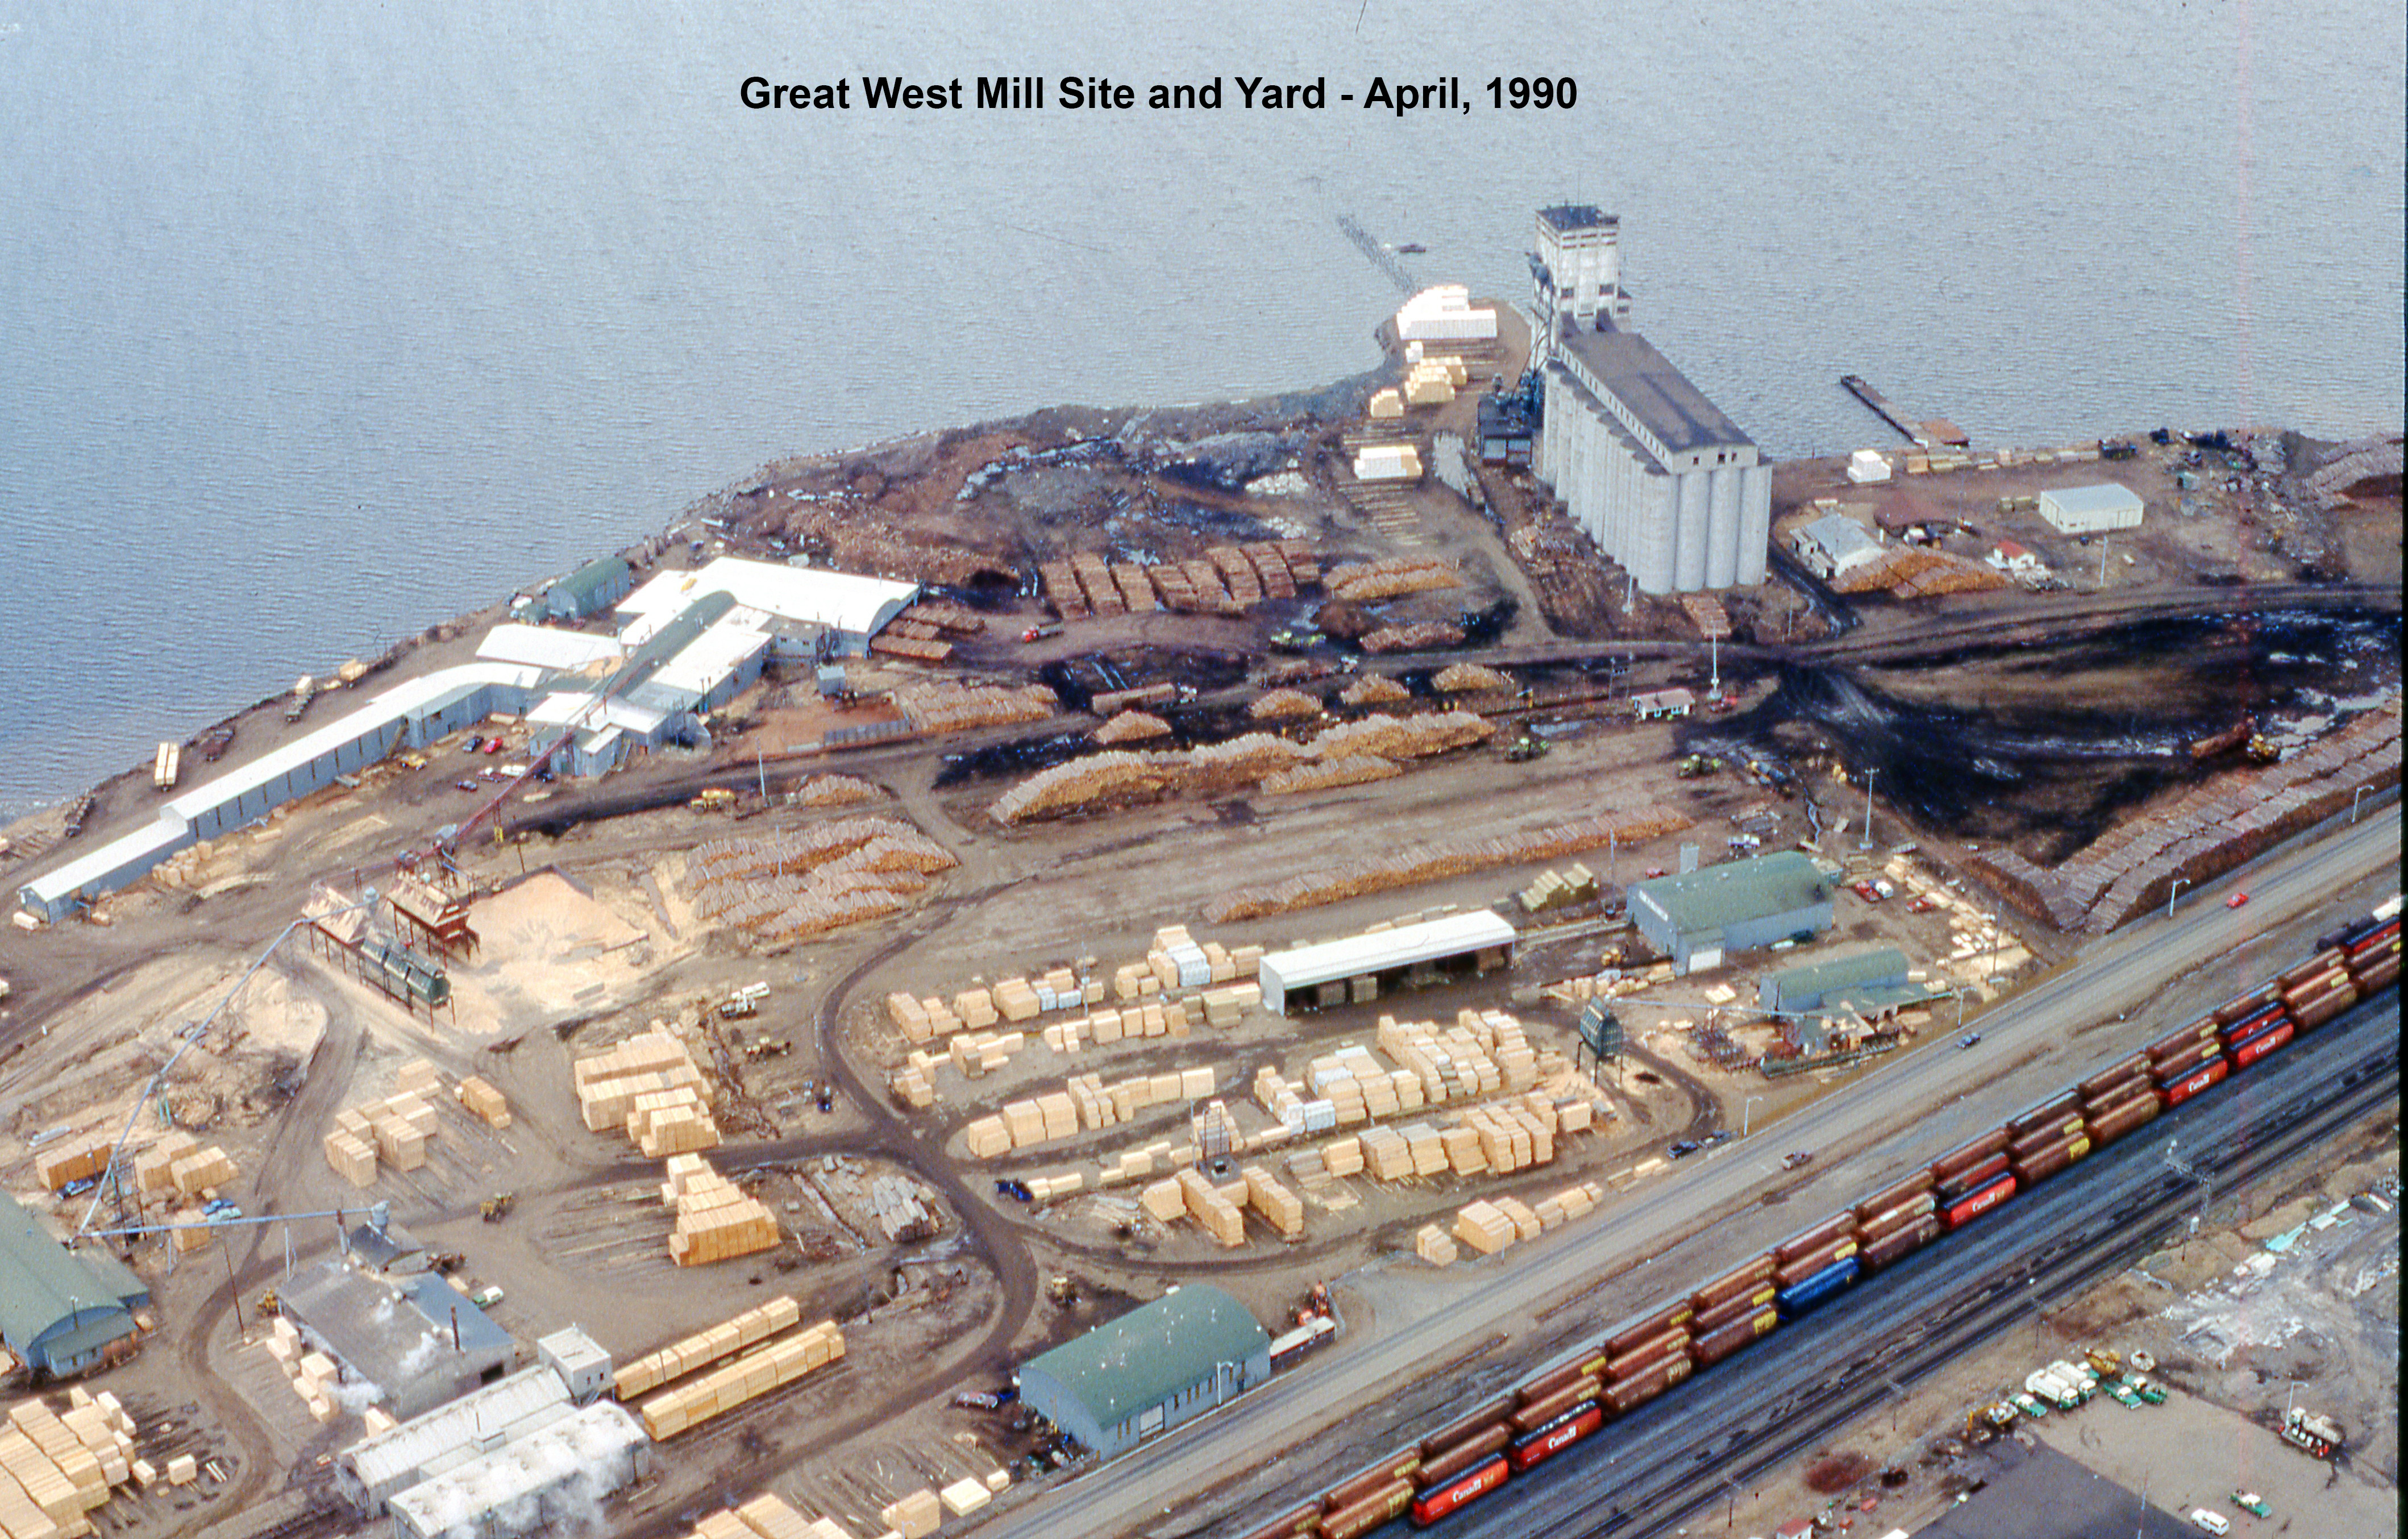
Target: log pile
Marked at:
1908, 572
833, 791
1363, 581
1097, 780
1469, 679
796, 883
1402, 737
1284, 705
1375, 689
1132, 726
1355, 769
1225, 580
947, 707
1443, 858
1421, 636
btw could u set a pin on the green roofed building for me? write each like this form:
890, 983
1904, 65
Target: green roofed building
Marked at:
1156, 1366
1697, 918
1803, 988
62, 1312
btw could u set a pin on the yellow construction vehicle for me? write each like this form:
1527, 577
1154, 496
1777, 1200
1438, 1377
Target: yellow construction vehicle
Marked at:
494, 1208
717, 799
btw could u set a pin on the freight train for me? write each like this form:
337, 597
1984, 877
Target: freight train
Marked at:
1467, 1459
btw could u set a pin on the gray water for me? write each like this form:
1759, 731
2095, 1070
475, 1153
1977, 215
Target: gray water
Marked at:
320, 323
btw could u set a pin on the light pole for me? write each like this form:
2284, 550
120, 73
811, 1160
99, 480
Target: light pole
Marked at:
1746, 1108
2180, 883
1867, 842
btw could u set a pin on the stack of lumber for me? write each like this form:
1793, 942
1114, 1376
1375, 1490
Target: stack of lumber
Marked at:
482, 1100
56, 1469
313, 1374
77, 1161
772, 1366
701, 1350
892, 644
1559, 890
948, 618
915, 1516
1363, 581
1215, 1208
1444, 858
1484, 1228
200, 1171
1418, 636
1274, 1202
766, 1517
1706, 613
1284, 705
947, 707
1469, 679
153, 1166
1132, 726
394, 1131
1434, 1245
715, 1220
649, 1088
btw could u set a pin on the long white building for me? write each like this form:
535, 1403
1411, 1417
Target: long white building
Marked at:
1667, 485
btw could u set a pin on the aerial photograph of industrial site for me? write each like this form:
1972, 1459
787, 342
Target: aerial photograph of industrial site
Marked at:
1081, 774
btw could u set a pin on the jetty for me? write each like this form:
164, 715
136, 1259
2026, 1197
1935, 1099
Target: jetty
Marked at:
1932, 433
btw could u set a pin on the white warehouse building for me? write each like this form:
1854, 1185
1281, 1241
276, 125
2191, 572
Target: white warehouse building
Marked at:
1667, 485
2091, 510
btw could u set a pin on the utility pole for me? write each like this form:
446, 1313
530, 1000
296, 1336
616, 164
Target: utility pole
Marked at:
1867, 842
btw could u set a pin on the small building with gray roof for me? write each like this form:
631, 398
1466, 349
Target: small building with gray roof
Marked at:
62, 1312
1697, 918
1161, 1364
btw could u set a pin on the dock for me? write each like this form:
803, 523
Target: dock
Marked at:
1933, 433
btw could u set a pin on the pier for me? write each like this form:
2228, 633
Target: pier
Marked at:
1934, 433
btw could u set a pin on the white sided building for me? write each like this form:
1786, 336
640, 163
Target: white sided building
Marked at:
2091, 510
1444, 314
844, 608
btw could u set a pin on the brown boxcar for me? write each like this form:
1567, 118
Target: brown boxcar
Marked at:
1467, 1426
1713, 1348
1630, 1393
1843, 1222
2040, 1138
1966, 1155
1399, 1466
1970, 1177
1547, 1384
2116, 1122
2066, 1105
1738, 1307
1620, 1364
1905, 1213
1792, 1272
1882, 1200
1366, 1514
1463, 1456
1302, 1523
2099, 1085
1621, 1342
1732, 1284
1890, 1247
1530, 1418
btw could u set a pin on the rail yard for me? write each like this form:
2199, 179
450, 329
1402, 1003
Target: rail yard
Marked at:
779, 1019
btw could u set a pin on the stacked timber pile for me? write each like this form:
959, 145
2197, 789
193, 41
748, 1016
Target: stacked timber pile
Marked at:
797, 883
1554, 890
484, 1101
1469, 679
1099, 779
772, 1366
177, 1163
1444, 858
1364, 581
716, 1220
1355, 769
1132, 726
833, 791
910, 638
649, 1088
767, 1517
1225, 580
1219, 1209
701, 1350
394, 1129
2211, 829
1420, 636
1284, 705
1402, 737
945, 617
315, 1376
1375, 689
1490, 1226
64, 1164
1706, 613
1086, 1102
57, 1468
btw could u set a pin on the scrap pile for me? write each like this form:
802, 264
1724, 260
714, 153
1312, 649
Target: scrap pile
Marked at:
1420, 636
949, 707
715, 1219
2213, 828
394, 1129
649, 1087
1225, 580
818, 878
56, 1469
1132, 726
1363, 581
1443, 858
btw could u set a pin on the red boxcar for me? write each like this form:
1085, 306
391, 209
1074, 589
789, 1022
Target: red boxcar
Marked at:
2249, 1052
2199, 1079
1437, 1502
1554, 1438
1966, 1209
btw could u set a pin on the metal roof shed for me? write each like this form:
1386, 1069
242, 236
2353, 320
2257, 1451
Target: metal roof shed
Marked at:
1698, 917
1415, 953
1804, 987
2091, 510
1151, 1369
61, 1312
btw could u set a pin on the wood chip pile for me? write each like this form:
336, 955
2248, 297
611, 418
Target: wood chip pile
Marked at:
2211, 829
1469, 679
1284, 705
1421, 636
1132, 726
1363, 581
797, 883
949, 707
1375, 689
1442, 859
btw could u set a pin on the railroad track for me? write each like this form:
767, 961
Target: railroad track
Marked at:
1811, 1378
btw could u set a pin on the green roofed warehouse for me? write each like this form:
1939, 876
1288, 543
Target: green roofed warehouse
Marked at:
62, 1312
1157, 1366
1700, 917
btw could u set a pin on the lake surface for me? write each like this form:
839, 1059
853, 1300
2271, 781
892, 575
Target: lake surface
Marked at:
323, 323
